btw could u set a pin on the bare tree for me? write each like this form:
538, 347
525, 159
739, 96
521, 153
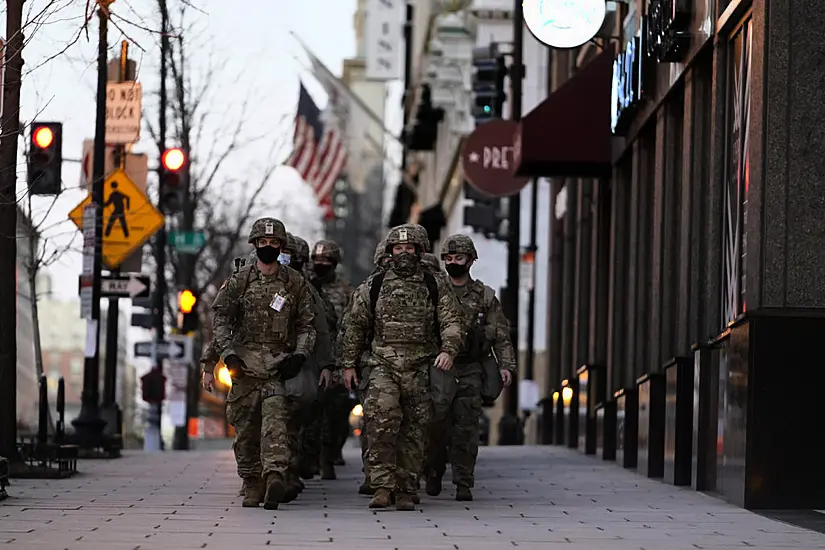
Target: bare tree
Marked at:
222, 205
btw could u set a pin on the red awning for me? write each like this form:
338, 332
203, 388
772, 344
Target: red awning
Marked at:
568, 134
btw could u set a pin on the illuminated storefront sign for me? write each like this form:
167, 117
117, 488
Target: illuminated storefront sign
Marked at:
668, 30
627, 85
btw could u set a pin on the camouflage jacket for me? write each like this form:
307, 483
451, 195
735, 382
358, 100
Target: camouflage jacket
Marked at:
324, 335
403, 328
338, 290
482, 309
264, 318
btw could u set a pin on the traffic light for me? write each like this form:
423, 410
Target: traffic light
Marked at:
153, 386
188, 320
45, 158
489, 70
171, 185
485, 215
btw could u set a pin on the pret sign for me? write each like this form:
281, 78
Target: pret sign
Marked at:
487, 159
124, 102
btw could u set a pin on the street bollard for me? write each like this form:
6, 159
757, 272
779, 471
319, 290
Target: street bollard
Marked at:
43, 413
60, 429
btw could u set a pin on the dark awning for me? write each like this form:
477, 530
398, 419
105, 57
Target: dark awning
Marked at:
568, 134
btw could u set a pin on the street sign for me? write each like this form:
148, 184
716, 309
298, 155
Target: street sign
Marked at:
187, 242
176, 347
129, 285
129, 219
123, 111
487, 159
137, 165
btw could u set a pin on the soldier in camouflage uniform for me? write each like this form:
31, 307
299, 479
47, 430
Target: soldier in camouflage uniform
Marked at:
456, 413
264, 331
430, 262
312, 416
381, 261
325, 257
412, 311
322, 358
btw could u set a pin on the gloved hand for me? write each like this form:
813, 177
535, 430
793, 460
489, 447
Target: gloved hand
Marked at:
235, 365
291, 366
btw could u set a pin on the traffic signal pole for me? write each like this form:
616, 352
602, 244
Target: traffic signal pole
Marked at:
153, 440
510, 426
111, 411
89, 424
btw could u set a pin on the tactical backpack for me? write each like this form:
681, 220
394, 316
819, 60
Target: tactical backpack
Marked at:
432, 290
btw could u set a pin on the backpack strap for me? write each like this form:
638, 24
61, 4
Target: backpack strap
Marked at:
375, 291
432, 289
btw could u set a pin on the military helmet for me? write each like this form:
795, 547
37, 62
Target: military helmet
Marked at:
301, 248
327, 250
290, 246
459, 244
268, 227
380, 253
405, 234
425, 237
430, 261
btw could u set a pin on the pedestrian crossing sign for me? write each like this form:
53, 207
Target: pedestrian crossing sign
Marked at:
129, 218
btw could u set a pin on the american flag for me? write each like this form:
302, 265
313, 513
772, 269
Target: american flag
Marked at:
318, 152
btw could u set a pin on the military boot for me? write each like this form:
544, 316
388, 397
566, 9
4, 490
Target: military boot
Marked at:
253, 493
463, 494
434, 485
308, 470
292, 489
242, 490
381, 499
328, 470
274, 492
404, 502
365, 489
415, 498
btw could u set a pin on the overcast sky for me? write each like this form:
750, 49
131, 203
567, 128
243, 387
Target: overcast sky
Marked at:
245, 44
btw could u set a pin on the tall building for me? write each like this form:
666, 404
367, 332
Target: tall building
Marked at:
27, 385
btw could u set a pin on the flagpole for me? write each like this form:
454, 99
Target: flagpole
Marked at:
340, 84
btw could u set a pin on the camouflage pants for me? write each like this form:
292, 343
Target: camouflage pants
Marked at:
277, 414
311, 435
397, 412
295, 430
365, 442
243, 412
454, 429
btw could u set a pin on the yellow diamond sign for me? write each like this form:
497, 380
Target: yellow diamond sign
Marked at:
129, 219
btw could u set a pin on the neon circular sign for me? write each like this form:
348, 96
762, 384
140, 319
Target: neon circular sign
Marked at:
564, 23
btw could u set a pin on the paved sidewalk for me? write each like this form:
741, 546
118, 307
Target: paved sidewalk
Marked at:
527, 498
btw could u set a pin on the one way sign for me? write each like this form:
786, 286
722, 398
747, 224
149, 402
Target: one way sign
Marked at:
124, 286
176, 348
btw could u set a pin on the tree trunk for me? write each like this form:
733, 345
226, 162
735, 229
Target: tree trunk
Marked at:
8, 230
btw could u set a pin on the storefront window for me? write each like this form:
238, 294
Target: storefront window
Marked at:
736, 173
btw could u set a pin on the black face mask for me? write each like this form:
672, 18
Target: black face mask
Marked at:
296, 265
268, 254
322, 270
457, 270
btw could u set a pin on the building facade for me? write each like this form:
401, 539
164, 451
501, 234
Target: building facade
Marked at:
686, 245
27, 379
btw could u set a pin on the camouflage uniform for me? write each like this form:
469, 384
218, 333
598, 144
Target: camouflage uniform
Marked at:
322, 357
380, 260
307, 460
264, 329
456, 410
403, 346
336, 400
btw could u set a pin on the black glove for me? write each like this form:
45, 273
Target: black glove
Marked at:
235, 365
291, 366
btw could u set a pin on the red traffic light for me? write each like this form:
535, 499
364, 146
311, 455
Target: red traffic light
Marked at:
187, 301
173, 159
43, 137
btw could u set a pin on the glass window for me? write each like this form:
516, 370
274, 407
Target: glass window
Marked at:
737, 169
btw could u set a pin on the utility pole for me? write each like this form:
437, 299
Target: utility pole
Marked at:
529, 361
509, 426
13, 65
153, 441
408, 53
89, 425
111, 410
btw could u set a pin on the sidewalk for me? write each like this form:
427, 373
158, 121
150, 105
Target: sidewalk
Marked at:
529, 498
